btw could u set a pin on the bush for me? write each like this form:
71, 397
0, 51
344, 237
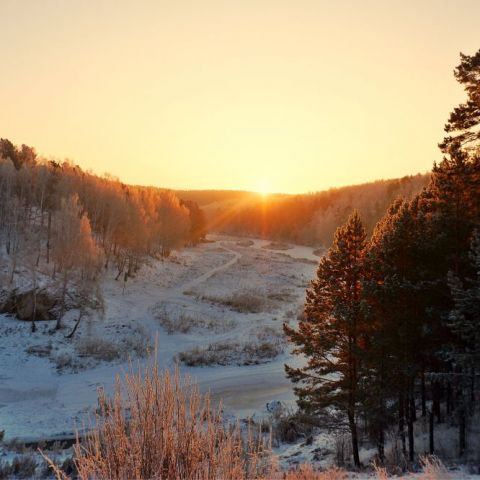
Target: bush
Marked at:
243, 301
24, 466
67, 361
277, 246
231, 353
159, 426
245, 243
5, 469
288, 426
187, 322
98, 348
307, 472
137, 342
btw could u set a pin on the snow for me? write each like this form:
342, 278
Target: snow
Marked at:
39, 402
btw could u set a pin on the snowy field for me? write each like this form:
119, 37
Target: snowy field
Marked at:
216, 309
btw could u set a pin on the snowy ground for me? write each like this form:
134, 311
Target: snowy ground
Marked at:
230, 293
39, 400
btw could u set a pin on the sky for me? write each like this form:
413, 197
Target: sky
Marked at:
271, 95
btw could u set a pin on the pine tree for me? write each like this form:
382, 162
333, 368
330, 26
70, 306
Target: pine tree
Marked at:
331, 333
465, 316
397, 292
454, 203
465, 119
464, 321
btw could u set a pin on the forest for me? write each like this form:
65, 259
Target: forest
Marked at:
65, 228
306, 219
391, 323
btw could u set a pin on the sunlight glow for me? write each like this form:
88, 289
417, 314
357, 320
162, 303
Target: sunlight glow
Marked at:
225, 93
263, 188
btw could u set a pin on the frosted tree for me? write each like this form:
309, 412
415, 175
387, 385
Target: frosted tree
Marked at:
74, 252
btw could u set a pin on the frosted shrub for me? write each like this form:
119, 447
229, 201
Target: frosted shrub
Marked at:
186, 322
98, 348
158, 426
231, 353
244, 301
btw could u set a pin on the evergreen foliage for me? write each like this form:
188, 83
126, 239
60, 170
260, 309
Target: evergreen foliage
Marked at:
417, 304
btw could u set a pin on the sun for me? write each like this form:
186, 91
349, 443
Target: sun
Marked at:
263, 188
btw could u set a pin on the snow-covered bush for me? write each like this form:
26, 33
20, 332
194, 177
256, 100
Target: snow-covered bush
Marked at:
231, 353
185, 322
22, 466
158, 425
68, 361
98, 348
243, 301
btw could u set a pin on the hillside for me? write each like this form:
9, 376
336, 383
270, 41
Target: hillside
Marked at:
309, 219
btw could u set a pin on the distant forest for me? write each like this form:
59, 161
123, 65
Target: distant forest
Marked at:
309, 219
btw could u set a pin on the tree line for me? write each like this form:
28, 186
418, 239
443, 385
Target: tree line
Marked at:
307, 219
391, 328
60, 222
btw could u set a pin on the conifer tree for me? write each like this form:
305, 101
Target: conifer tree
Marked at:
331, 333
465, 119
464, 321
396, 297
465, 316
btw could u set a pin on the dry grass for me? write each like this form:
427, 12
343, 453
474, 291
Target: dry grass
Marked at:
244, 301
245, 243
287, 426
186, 322
66, 361
21, 467
90, 350
98, 348
136, 342
158, 426
277, 246
307, 472
433, 469
231, 353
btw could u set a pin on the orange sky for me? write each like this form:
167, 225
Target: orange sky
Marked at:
278, 95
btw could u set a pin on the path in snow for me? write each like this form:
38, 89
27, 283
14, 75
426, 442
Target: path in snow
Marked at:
36, 402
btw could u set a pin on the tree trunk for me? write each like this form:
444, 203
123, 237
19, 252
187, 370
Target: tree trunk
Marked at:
34, 310
449, 398
49, 229
58, 325
431, 433
413, 409
424, 396
381, 445
436, 392
472, 386
353, 431
462, 441
401, 423
411, 440
77, 323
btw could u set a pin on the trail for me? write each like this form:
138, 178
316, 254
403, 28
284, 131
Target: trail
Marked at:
202, 278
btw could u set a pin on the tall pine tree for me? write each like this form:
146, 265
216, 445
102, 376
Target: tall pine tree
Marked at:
331, 334
462, 126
